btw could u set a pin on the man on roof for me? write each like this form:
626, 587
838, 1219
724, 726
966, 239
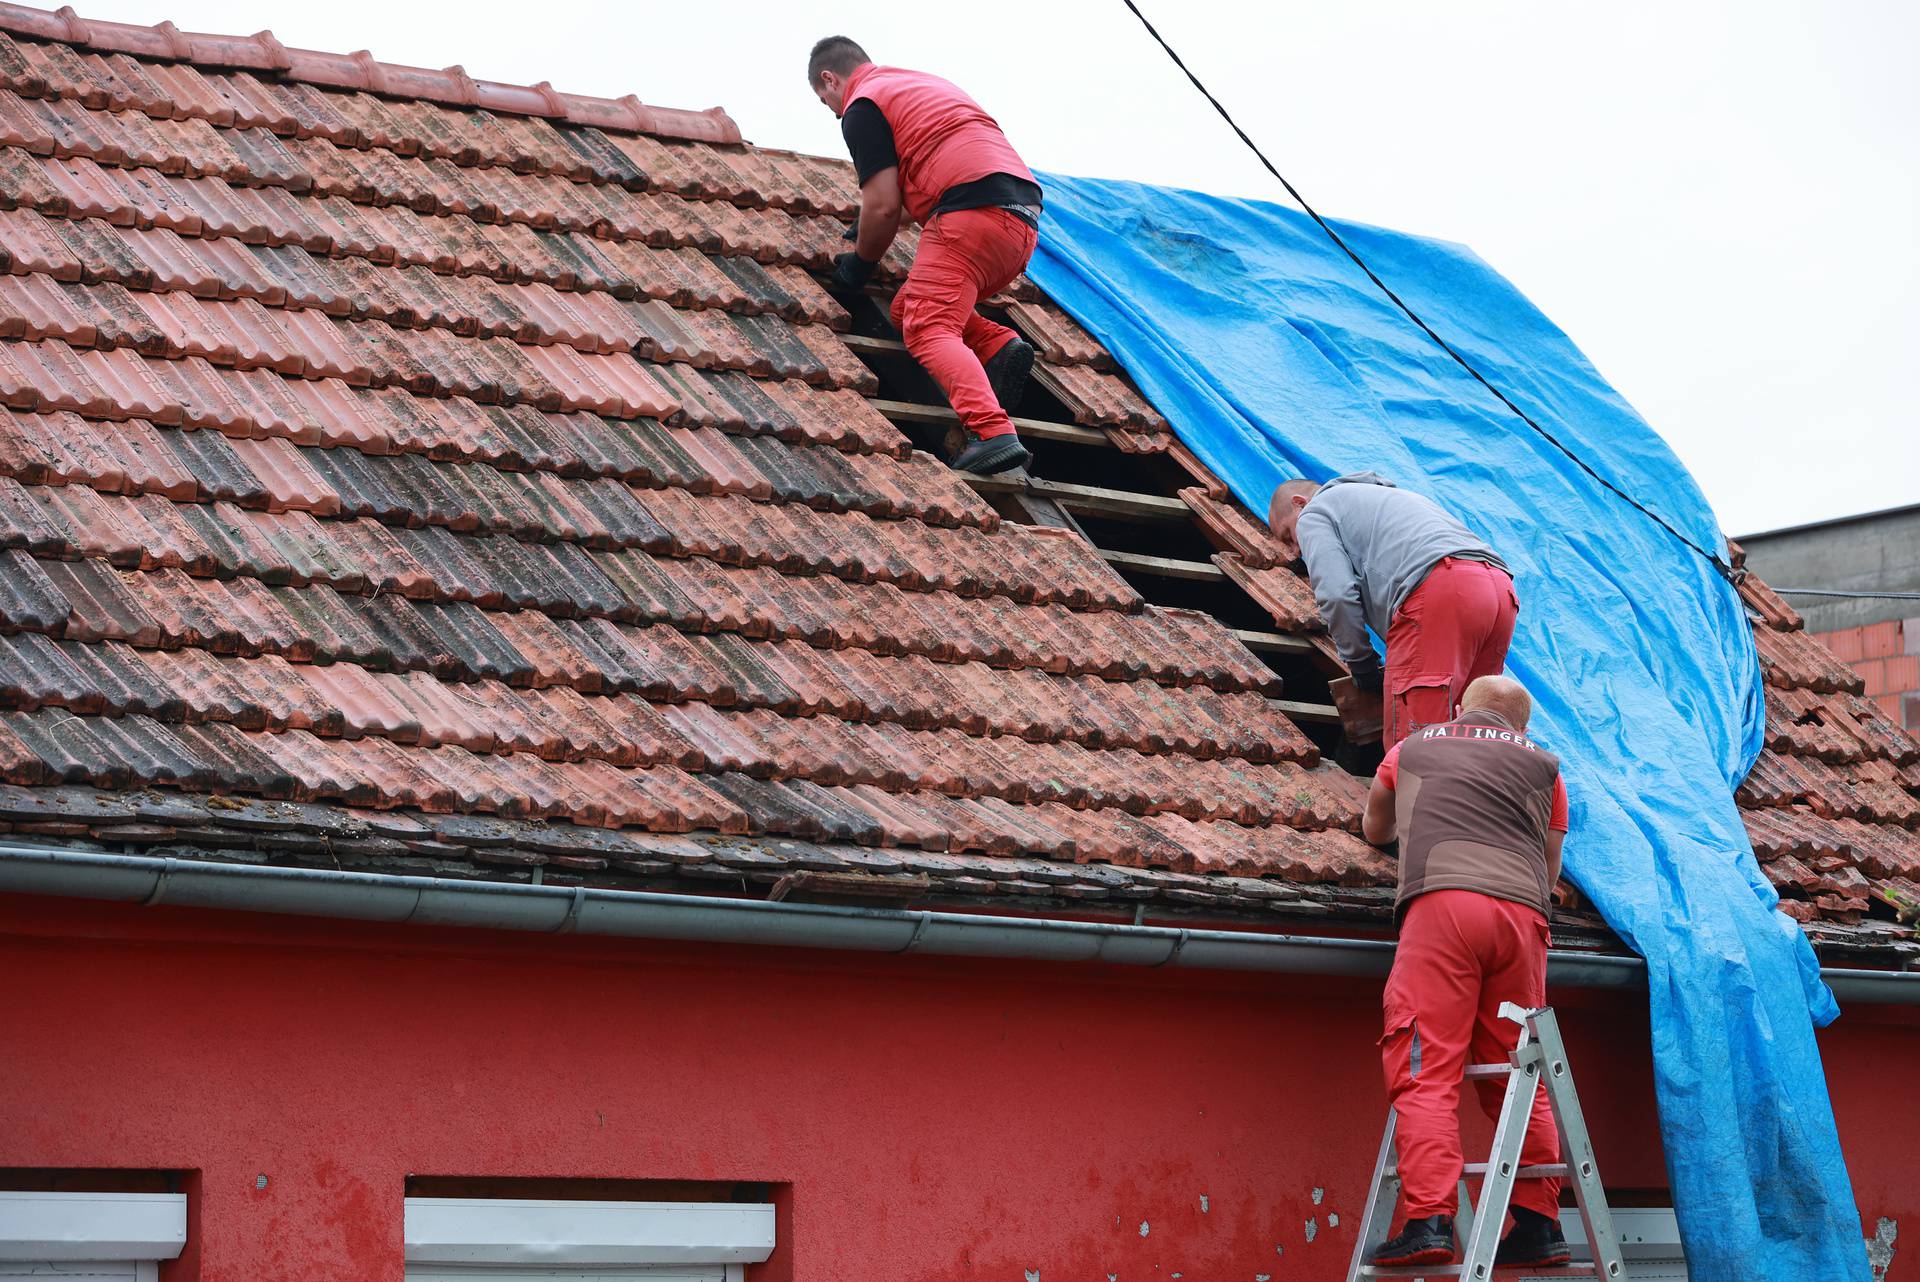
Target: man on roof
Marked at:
1480, 812
921, 145
1386, 558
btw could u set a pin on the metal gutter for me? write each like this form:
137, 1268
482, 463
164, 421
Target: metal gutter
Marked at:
496, 905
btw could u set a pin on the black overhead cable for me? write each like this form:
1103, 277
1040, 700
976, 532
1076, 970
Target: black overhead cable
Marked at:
1719, 563
1850, 595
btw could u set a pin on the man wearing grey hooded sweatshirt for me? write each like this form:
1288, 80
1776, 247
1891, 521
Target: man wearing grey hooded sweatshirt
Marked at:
1386, 558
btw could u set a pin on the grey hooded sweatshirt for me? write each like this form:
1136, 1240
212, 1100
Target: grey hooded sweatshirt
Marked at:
1368, 545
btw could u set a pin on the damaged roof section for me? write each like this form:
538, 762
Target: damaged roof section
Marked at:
1831, 804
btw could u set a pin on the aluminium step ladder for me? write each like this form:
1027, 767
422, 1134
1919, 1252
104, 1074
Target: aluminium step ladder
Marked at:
1539, 1056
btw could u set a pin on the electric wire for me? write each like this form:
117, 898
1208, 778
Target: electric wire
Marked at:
1719, 563
1850, 596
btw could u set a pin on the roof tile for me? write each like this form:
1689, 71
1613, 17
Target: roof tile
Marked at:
1233, 529
1795, 660
1281, 592
1098, 399
1059, 338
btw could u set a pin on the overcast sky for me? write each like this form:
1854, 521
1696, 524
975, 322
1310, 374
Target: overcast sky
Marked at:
1719, 202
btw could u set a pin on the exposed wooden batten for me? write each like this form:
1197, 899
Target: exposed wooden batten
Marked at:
941, 416
1273, 642
865, 346
1165, 566
1091, 500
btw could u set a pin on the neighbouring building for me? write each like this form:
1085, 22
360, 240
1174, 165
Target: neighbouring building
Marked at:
514, 756
1865, 607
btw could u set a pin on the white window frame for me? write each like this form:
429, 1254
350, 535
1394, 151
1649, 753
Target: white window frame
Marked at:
506, 1236
1649, 1241
78, 1229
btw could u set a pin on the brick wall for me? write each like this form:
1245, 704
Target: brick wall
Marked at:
1887, 657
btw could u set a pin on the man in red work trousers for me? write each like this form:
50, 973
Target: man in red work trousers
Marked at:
920, 143
1480, 812
1387, 558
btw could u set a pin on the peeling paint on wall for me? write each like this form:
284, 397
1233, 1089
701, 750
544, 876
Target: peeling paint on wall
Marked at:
1203, 1204
1333, 1219
1313, 1229
1033, 1275
1317, 1195
1143, 1228
1880, 1247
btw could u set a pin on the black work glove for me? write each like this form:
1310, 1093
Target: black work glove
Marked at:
851, 272
1367, 676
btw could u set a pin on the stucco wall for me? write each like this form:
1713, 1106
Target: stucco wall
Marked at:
920, 1117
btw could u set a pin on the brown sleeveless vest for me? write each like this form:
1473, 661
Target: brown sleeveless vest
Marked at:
1473, 800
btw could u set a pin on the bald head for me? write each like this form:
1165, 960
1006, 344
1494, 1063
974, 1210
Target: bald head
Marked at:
1501, 695
1283, 513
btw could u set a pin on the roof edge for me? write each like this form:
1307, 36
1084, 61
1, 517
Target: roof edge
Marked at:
1831, 522
754, 923
449, 86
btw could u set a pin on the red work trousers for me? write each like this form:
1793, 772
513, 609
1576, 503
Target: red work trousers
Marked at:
964, 256
1461, 954
1452, 628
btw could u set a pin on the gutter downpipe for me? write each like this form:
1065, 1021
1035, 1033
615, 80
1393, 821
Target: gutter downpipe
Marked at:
437, 901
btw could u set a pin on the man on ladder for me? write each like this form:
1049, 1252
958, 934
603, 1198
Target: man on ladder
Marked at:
1480, 812
921, 143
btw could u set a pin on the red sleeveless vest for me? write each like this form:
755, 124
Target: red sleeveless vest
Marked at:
941, 136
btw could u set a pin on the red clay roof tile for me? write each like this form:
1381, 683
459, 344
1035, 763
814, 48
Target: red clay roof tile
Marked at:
262, 53
1234, 530
1281, 592
1057, 336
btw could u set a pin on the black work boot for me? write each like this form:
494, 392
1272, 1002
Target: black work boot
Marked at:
1428, 1241
1007, 371
994, 454
1535, 1242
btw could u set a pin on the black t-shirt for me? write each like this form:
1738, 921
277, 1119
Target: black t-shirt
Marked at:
870, 143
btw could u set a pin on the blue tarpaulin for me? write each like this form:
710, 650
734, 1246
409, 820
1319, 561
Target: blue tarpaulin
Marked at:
1274, 357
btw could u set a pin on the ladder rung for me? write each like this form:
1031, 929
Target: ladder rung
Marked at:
1555, 1171
1582, 1270
1488, 1070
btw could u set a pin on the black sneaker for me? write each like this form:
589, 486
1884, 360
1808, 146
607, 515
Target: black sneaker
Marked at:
1535, 1242
994, 454
1007, 371
1428, 1241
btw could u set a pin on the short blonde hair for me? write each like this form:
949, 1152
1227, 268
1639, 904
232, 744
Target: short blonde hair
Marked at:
1502, 695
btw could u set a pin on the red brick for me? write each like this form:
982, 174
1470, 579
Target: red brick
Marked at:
1874, 673
1880, 639
1845, 643
1902, 673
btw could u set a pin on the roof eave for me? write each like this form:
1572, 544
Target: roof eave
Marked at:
493, 905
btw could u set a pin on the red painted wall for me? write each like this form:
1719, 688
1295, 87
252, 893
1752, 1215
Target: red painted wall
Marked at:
929, 1117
